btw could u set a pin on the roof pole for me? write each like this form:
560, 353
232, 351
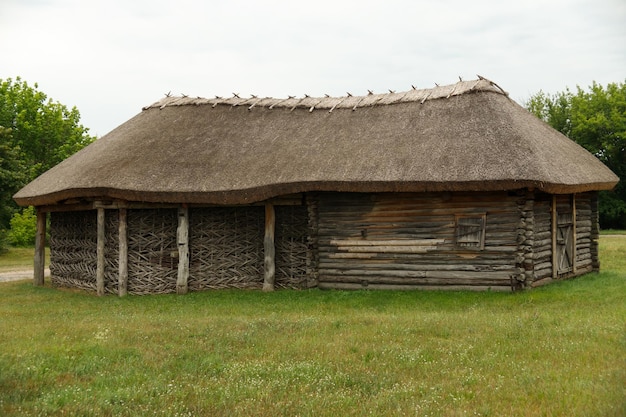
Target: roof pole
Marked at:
183, 251
269, 264
40, 248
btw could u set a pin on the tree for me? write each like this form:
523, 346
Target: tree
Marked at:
46, 131
595, 119
36, 133
12, 177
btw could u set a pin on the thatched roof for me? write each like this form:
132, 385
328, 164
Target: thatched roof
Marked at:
466, 136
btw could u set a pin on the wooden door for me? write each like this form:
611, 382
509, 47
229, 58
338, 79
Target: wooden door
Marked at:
564, 243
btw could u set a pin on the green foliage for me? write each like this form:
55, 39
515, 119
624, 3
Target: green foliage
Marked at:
36, 133
4, 242
12, 177
46, 131
595, 119
23, 228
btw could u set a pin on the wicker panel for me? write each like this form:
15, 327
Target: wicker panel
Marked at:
73, 249
152, 252
226, 247
111, 251
291, 246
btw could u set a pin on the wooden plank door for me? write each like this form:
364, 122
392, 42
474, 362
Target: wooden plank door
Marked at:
564, 243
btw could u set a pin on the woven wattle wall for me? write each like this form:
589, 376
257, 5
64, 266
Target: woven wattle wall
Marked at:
73, 243
291, 247
226, 249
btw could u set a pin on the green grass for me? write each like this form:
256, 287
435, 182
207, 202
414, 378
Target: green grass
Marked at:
16, 259
558, 350
612, 232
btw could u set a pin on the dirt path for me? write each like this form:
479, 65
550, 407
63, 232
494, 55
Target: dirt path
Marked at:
20, 275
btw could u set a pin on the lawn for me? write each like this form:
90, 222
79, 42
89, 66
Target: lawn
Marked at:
558, 350
17, 259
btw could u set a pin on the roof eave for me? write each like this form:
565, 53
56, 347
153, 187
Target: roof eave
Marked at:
252, 195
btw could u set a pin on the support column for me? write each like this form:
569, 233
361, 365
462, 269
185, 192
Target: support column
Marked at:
122, 286
40, 249
555, 266
269, 264
100, 251
574, 237
182, 239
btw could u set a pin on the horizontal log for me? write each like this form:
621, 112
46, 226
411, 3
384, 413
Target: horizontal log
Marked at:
541, 282
400, 287
426, 275
391, 242
392, 266
495, 258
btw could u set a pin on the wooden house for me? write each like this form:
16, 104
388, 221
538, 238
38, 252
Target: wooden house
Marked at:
455, 187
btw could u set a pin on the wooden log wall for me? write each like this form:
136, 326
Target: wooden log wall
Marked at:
585, 234
542, 245
594, 235
586, 241
408, 241
525, 258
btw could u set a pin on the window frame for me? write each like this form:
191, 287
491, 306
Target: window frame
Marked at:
460, 234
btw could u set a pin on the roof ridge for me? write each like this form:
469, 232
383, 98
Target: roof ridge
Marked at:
331, 103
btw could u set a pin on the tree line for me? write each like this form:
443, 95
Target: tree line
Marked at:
37, 133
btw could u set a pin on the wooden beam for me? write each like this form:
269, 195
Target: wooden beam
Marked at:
123, 254
40, 248
100, 251
269, 264
574, 233
553, 213
182, 238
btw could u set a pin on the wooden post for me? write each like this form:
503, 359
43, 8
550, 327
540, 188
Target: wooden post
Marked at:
182, 238
100, 251
123, 254
269, 264
574, 233
555, 266
40, 249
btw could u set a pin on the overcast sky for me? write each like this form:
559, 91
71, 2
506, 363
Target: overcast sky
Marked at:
110, 58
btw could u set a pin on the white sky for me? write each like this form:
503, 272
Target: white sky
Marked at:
109, 58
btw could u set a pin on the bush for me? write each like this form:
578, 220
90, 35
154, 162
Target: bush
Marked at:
23, 228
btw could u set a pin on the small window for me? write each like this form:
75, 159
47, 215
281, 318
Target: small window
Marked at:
470, 231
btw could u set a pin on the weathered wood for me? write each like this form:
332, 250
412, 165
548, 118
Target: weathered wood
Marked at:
387, 249
438, 274
574, 245
408, 287
101, 241
40, 248
384, 243
553, 212
182, 241
269, 262
122, 286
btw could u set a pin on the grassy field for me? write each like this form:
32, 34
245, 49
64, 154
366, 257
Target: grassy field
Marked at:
558, 350
17, 259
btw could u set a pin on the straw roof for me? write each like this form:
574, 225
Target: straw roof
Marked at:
465, 136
